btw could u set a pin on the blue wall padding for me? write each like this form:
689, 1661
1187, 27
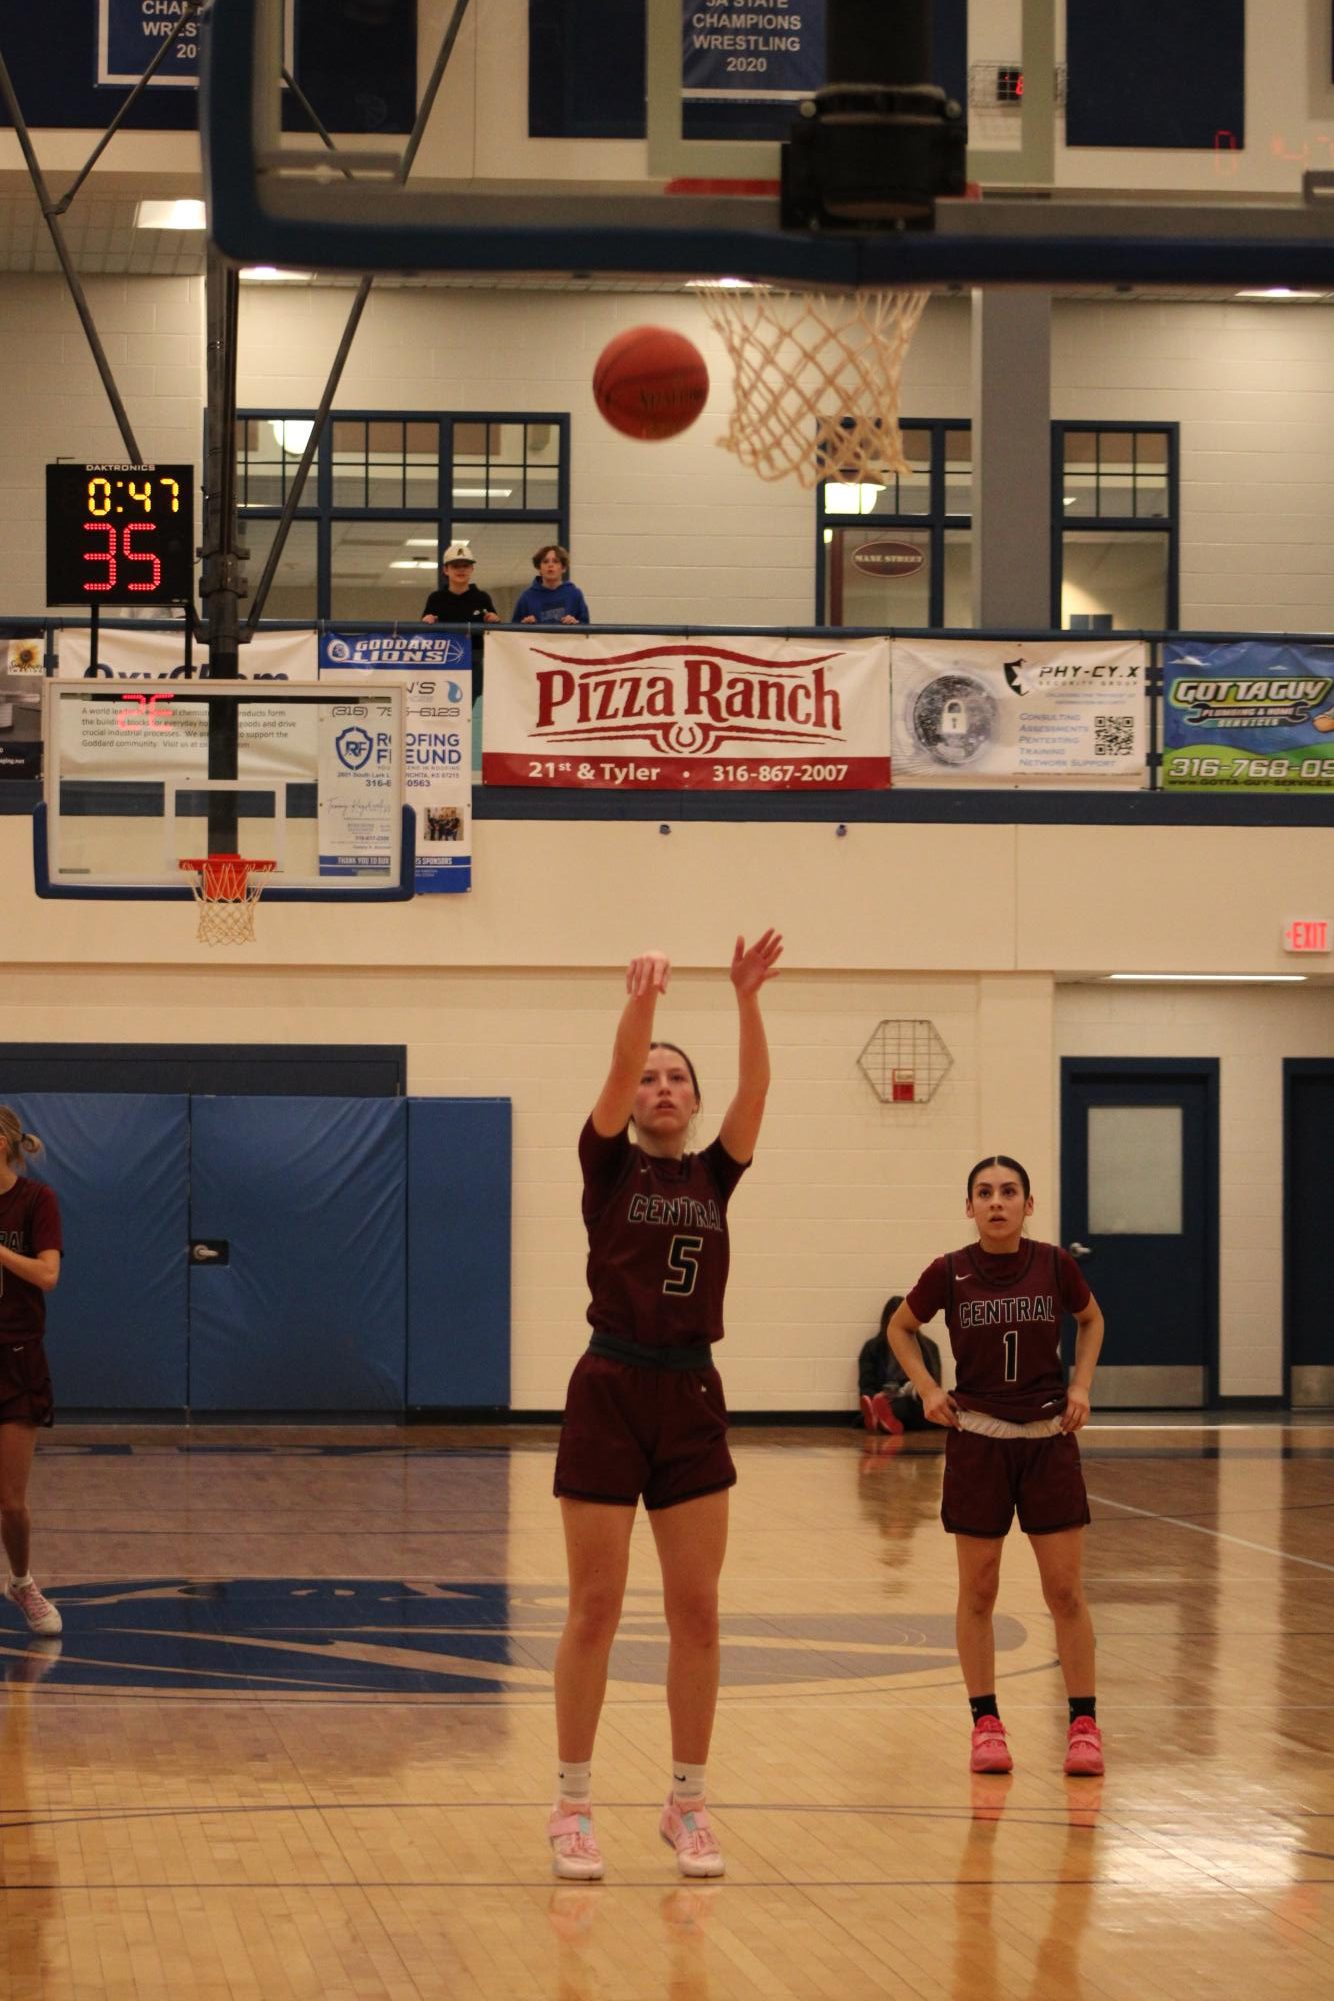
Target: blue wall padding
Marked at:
116, 1323
459, 1155
311, 1196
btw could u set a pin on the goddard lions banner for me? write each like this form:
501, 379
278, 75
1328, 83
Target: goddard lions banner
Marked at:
634, 712
1019, 712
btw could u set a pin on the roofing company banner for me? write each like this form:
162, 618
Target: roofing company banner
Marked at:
437, 749
1019, 712
634, 712
1248, 715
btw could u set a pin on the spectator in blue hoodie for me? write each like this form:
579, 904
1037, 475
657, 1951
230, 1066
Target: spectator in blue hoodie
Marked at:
553, 599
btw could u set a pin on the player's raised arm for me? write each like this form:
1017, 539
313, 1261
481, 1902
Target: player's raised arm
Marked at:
645, 978
751, 967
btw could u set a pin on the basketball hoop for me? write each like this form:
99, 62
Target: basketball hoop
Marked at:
816, 379
227, 888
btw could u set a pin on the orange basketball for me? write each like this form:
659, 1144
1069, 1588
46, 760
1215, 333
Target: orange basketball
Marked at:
650, 382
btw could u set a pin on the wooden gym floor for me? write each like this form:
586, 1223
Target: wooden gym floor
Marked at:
297, 1738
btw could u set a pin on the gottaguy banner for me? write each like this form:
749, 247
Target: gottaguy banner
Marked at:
627, 711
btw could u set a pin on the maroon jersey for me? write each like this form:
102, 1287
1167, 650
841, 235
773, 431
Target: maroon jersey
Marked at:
29, 1223
1004, 1316
657, 1240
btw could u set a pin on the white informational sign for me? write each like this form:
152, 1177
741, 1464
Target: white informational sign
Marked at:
437, 774
356, 789
124, 654
628, 711
1020, 712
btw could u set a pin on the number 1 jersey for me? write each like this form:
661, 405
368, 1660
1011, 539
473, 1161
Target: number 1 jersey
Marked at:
658, 1251
1004, 1315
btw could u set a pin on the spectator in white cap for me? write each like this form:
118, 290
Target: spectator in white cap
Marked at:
460, 602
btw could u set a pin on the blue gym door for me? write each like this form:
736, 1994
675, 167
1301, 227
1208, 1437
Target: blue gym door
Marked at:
1139, 1210
1308, 1306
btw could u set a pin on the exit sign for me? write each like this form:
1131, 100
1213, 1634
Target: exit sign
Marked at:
1307, 934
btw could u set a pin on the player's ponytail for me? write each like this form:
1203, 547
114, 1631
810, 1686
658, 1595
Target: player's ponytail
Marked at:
13, 1138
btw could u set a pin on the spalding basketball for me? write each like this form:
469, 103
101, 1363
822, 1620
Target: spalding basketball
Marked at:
650, 382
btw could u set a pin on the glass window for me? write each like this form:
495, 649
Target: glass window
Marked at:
349, 462
876, 578
381, 569
957, 609
958, 472
1134, 1170
1114, 580
390, 465
292, 593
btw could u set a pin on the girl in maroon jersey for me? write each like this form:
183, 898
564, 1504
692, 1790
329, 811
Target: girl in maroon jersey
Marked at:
29, 1268
1011, 1419
644, 1416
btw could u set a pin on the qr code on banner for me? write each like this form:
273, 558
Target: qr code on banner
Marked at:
1113, 736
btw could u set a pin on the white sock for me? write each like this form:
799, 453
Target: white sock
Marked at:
688, 1781
19, 1583
575, 1783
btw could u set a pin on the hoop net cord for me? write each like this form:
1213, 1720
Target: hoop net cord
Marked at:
226, 889
816, 380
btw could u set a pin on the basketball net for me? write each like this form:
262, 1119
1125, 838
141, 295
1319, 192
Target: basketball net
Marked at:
227, 888
817, 379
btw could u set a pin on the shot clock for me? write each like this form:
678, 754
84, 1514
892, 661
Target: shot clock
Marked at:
119, 534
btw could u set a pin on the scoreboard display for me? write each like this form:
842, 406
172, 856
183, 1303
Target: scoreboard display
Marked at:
119, 534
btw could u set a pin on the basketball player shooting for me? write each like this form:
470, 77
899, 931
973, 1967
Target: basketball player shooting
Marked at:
644, 1414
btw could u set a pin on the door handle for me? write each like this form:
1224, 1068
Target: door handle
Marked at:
1078, 1250
210, 1251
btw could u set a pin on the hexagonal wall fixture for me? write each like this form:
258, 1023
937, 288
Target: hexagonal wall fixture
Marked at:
905, 1062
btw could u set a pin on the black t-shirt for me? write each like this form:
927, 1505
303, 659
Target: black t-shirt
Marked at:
458, 607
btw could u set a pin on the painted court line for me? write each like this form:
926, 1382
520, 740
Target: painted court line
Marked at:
1196, 1528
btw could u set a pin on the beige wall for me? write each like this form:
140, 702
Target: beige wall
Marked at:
514, 991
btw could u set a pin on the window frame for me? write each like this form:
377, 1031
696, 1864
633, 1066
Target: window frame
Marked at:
1168, 524
450, 522
934, 522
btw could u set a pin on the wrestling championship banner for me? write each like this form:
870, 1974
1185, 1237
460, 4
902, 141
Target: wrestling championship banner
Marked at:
437, 749
626, 711
1019, 712
1248, 715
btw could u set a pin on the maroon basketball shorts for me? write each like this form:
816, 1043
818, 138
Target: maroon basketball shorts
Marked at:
25, 1383
988, 1479
659, 1434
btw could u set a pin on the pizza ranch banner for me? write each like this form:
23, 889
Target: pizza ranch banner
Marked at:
638, 713
1019, 712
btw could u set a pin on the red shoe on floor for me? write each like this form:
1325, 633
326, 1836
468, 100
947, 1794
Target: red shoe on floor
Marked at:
1083, 1752
868, 1414
990, 1752
883, 1412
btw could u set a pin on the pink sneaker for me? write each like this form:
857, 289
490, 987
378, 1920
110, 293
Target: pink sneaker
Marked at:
685, 1826
40, 1613
575, 1854
990, 1752
1083, 1752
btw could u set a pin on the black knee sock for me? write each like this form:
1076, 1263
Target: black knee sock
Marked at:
1084, 1705
983, 1705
